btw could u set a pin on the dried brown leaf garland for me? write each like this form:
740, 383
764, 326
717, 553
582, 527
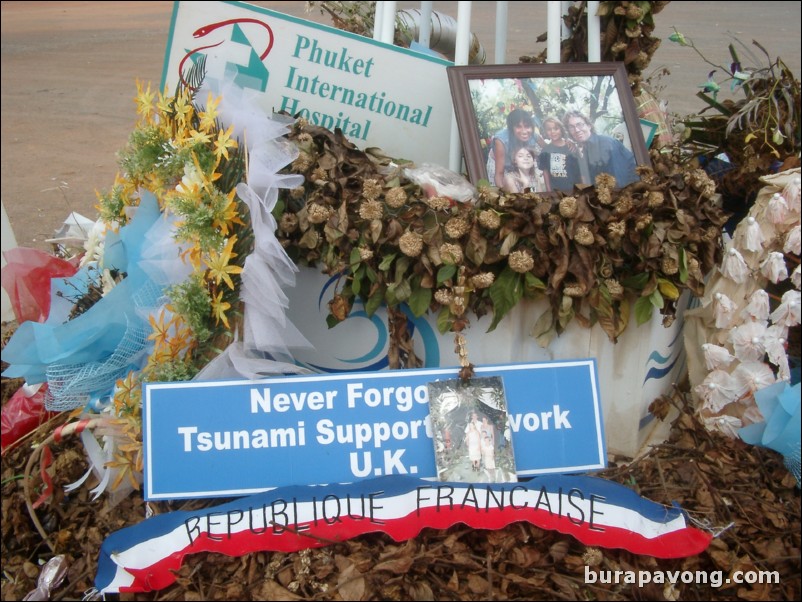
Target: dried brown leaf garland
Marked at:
596, 255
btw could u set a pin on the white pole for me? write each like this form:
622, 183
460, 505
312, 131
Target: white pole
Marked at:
594, 32
377, 20
461, 52
388, 22
553, 20
425, 27
502, 17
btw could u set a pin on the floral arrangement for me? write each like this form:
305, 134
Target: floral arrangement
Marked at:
163, 281
749, 320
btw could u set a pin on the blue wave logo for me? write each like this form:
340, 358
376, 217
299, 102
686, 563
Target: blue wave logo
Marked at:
377, 357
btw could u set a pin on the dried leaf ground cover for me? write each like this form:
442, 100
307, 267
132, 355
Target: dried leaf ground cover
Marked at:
744, 492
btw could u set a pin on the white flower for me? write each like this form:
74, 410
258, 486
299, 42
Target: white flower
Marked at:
727, 425
787, 312
753, 235
753, 376
718, 390
791, 194
777, 349
792, 244
777, 209
795, 277
723, 310
758, 307
94, 244
191, 181
747, 341
774, 268
734, 267
716, 356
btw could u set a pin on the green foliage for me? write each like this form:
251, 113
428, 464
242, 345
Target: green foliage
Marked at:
191, 299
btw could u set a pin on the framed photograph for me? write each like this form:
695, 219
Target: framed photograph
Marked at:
472, 436
547, 127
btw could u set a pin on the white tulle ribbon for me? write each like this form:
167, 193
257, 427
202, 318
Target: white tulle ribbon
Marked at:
268, 269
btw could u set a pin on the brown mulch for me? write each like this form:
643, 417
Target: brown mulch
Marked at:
742, 493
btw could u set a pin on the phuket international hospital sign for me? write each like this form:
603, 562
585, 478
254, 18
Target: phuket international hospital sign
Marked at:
379, 95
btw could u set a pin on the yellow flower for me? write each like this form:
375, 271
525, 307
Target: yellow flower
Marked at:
183, 108
165, 105
144, 101
161, 330
219, 308
228, 214
207, 117
218, 263
224, 142
127, 395
200, 137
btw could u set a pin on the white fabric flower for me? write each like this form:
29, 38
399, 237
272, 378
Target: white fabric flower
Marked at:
727, 425
795, 277
777, 209
787, 312
791, 194
734, 267
792, 243
753, 375
718, 390
774, 268
758, 307
776, 344
723, 310
747, 341
716, 356
753, 236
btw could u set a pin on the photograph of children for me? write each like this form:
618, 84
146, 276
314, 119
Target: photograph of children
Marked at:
573, 127
471, 434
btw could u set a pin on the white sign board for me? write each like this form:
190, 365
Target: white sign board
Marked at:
378, 94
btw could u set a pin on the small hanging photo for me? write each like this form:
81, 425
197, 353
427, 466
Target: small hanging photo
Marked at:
472, 439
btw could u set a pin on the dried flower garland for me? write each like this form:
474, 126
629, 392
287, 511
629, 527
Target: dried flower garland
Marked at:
596, 255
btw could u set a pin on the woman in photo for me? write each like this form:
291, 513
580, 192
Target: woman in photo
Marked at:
525, 176
558, 160
520, 132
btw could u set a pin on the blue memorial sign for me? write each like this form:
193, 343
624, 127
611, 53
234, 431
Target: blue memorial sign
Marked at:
226, 438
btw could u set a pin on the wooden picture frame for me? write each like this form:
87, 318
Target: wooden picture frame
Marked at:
487, 97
